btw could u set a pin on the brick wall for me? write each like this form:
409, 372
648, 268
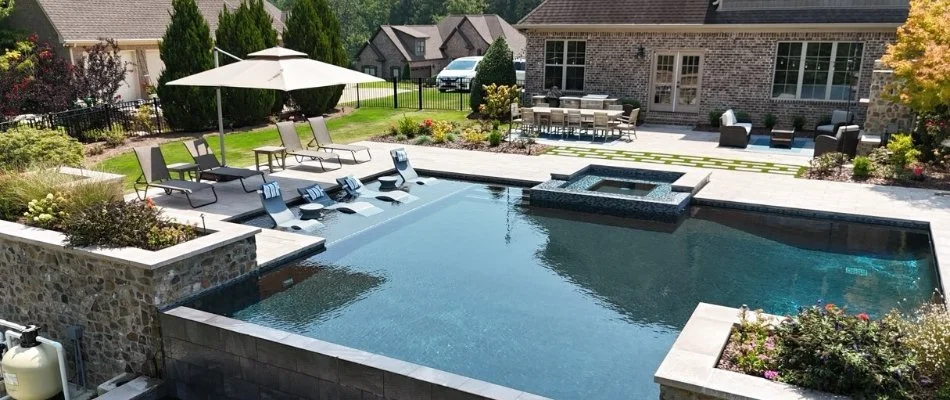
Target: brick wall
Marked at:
737, 70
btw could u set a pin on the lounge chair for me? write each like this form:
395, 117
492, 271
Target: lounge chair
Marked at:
316, 194
733, 133
405, 170
354, 188
321, 137
155, 174
283, 218
291, 142
208, 164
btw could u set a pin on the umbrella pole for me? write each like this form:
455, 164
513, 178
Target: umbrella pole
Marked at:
224, 160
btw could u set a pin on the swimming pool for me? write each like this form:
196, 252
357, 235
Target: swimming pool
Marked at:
565, 305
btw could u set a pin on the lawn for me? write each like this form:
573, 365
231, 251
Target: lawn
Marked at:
432, 98
359, 125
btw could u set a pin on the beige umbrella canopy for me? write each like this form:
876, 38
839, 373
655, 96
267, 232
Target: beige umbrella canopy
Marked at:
276, 68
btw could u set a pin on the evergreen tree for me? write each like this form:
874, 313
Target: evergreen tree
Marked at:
264, 22
312, 28
497, 67
186, 50
241, 33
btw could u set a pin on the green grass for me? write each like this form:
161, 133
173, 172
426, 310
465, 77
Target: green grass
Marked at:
359, 125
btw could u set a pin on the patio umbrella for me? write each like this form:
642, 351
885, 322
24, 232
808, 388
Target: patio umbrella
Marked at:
276, 68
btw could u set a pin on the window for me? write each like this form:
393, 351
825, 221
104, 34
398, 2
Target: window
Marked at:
564, 64
420, 48
395, 72
817, 70
370, 70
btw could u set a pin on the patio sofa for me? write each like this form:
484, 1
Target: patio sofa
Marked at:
845, 141
733, 133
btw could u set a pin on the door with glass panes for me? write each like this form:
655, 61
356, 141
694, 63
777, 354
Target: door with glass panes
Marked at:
676, 82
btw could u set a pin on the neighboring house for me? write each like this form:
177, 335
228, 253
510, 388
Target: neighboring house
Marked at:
426, 49
684, 58
137, 26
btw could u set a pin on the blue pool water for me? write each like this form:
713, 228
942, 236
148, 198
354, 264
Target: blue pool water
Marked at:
569, 306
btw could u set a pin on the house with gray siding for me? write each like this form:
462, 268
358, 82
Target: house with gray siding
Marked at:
423, 50
137, 27
684, 58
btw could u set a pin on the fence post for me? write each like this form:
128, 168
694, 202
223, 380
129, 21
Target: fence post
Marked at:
420, 93
357, 95
460, 92
395, 92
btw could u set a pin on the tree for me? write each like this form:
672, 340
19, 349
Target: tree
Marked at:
34, 80
496, 68
456, 7
312, 28
101, 72
6, 8
919, 57
186, 50
240, 33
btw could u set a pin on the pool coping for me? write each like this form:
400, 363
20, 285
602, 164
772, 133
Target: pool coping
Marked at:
690, 365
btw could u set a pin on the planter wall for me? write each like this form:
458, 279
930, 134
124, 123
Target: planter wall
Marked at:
113, 294
689, 370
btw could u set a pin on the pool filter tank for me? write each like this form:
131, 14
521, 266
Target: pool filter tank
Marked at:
31, 369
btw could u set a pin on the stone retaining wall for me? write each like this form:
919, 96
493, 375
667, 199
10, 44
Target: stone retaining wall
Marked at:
113, 294
885, 116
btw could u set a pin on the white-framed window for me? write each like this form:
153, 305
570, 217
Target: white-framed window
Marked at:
817, 70
564, 62
420, 48
370, 70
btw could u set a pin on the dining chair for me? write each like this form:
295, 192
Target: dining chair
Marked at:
527, 120
515, 117
628, 125
556, 122
574, 122
601, 123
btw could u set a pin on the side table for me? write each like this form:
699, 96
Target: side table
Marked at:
310, 210
271, 151
388, 182
781, 137
867, 144
182, 168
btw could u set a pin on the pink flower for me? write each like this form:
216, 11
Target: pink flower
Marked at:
771, 375
864, 317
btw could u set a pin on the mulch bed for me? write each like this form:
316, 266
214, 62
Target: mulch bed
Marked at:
504, 147
936, 179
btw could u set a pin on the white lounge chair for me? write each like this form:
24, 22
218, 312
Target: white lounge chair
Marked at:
316, 194
354, 188
405, 170
283, 218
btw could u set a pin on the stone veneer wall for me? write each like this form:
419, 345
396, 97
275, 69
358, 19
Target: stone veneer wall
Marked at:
883, 113
114, 302
737, 70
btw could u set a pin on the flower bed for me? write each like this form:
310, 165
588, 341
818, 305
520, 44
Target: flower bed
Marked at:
827, 349
473, 135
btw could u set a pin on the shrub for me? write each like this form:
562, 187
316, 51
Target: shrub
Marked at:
452, 136
828, 163
742, 116
494, 138
862, 167
881, 160
498, 101
400, 137
440, 131
425, 128
124, 224
101, 72
422, 140
769, 120
17, 189
715, 118
798, 122
497, 68
828, 350
114, 136
95, 150
407, 127
929, 338
142, 120
23, 147
752, 347
473, 136
186, 50
47, 212
312, 27
902, 151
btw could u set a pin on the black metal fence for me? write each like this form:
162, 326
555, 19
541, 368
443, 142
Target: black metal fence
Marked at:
418, 94
133, 116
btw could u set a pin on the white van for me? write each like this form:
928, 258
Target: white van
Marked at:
458, 74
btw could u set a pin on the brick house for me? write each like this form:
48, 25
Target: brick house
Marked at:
137, 27
684, 58
426, 49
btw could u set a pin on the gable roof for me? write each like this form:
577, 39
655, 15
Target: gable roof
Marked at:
489, 27
704, 12
88, 20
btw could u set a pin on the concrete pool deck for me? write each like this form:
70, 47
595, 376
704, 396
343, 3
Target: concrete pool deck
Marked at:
918, 207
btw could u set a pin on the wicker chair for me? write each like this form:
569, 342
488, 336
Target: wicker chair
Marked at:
845, 141
838, 118
601, 124
733, 133
556, 122
574, 122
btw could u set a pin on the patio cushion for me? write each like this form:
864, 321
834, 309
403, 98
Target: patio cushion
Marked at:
728, 118
826, 128
401, 156
270, 190
746, 125
315, 192
840, 117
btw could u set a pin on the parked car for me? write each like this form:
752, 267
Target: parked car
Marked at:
458, 74
519, 71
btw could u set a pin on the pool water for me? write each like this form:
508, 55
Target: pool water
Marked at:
569, 306
628, 188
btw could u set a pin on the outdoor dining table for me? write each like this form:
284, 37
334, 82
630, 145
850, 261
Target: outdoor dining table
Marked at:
546, 111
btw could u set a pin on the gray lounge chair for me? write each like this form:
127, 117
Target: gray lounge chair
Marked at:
321, 137
155, 174
283, 218
291, 142
405, 170
209, 165
316, 194
354, 188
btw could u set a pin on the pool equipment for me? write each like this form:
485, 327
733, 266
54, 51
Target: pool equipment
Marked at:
34, 369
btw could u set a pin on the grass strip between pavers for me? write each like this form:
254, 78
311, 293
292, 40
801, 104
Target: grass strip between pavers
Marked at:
675, 159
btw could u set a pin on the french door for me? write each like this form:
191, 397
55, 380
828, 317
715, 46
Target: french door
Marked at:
676, 81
